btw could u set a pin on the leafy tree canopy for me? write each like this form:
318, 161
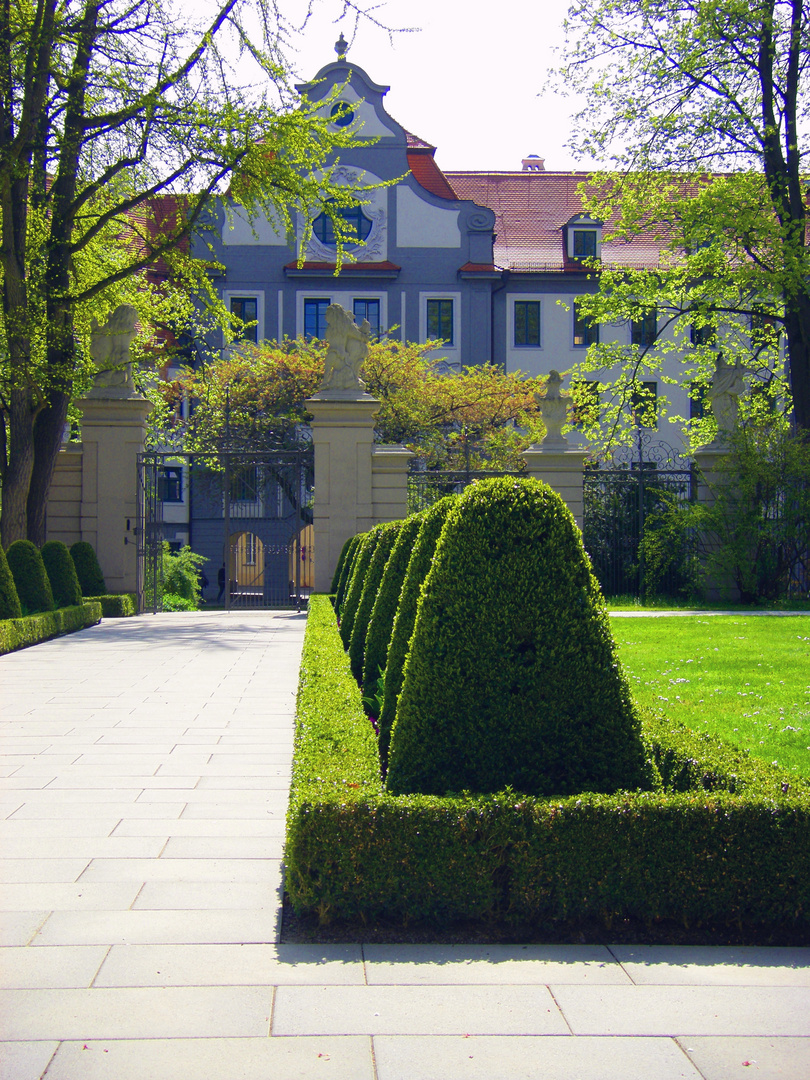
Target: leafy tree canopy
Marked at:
120, 122
255, 395
704, 104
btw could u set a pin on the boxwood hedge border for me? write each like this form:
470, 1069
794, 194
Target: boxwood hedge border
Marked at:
724, 845
32, 629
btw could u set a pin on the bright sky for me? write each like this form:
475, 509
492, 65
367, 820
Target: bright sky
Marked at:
470, 80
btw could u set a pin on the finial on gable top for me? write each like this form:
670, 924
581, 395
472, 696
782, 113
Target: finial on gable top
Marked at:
341, 45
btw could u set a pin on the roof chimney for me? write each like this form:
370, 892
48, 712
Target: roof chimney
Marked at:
534, 163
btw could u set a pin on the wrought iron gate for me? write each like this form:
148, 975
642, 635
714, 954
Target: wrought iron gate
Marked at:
427, 486
623, 495
249, 514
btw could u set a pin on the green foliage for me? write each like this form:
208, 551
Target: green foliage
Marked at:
432, 523
346, 571
181, 579
371, 586
9, 600
354, 590
512, 678
61, 574
385, 607
702, 857
32, 629
344, 555
756, 531
668, 551
30, 578
88, 571
116, 606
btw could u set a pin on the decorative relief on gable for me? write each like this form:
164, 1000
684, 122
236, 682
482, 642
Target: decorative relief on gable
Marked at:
375, 209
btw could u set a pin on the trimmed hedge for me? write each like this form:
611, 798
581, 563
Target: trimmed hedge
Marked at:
512, 678
346, 571
385, 606
418, 566
32, 629
700, 857
360, 565
116, 606
9, 600
88, 571
371, 586
61, 574
30, 577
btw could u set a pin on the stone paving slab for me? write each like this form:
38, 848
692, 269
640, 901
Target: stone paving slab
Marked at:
728, 1058
416, 1010
704, 965
555, 1057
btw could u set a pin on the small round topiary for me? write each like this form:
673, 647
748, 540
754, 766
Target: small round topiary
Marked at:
385, 606
346, 571
371, 585
433, 520
61, 574
30, 578
9, 600
512, 678
91, 579
354, 591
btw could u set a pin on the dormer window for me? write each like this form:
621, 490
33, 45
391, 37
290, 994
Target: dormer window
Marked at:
324, 230
584, 239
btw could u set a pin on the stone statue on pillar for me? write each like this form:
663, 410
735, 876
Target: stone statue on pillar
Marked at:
109, 350
554, 410
724, 392
348, 349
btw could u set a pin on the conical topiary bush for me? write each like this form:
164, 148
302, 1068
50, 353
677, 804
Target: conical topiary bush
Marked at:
91, 579
9, 600
371, 585
346, 571
385, 606
354, 591
344, 551
30, 578
512, 678
61, 573
424, 547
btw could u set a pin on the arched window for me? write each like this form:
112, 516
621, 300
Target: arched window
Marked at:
323, 229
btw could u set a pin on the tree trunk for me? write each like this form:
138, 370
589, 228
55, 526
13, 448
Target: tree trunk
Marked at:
47, 440
797, 331
20, 466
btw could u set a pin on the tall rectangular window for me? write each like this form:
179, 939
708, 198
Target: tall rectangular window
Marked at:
586, 331
171, 486
368, 309
643, 404
440, 320
703, 335
245, 483
246, 308
697, 401
527, 324
315, 317
644, 331
584, 243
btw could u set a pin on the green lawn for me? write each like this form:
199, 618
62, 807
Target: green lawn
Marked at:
743, 678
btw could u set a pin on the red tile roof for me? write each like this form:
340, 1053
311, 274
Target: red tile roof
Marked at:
530, 211
424, 168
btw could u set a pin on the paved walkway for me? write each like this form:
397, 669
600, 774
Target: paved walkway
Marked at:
146, 766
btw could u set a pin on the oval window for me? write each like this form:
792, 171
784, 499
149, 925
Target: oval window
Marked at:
341, 114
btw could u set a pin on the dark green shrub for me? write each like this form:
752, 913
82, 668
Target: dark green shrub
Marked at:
513, 679
116, 606
351, 602
344, 552
385, 606
371, 585
91, 579
346, 571
714, 858
30, 578
9, 600
32, 629
418, 566
61, 574
181, 579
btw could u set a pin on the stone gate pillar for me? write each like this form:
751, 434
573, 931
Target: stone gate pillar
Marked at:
343, 440
561, 469
113, 431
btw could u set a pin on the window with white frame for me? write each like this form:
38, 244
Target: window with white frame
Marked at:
315, 316
440, 319
171, 486
643, 331
526, 334
586, 331
247, 306
643, 404
369, 309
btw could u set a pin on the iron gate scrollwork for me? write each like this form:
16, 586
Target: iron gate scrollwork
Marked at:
626, 494
248, 513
